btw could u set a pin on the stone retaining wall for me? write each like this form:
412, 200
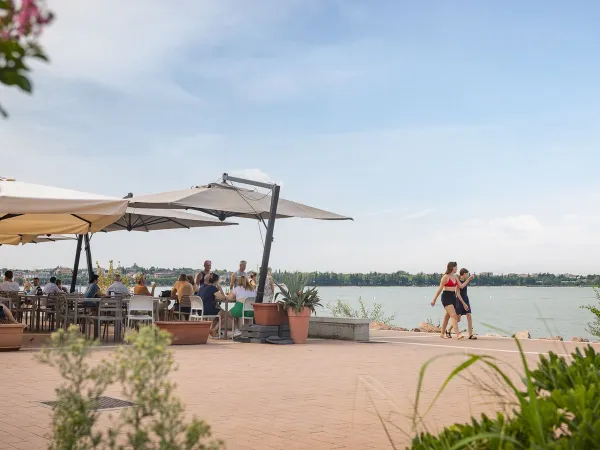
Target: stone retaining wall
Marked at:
339, 328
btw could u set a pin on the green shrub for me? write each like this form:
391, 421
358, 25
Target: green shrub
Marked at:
558, 410
594, 327
142, 368
376, 314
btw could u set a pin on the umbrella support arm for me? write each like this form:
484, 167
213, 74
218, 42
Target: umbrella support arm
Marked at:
88, 254
262, 278
274, 188
76, 264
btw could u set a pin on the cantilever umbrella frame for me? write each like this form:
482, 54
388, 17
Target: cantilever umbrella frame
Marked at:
210, 205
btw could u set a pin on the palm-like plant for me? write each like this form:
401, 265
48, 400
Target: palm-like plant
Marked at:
295, 294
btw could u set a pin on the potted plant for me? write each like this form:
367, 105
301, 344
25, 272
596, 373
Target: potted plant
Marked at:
300, 302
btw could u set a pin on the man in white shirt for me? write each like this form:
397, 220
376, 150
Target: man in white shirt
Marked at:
8, 285
118, 287
51, 287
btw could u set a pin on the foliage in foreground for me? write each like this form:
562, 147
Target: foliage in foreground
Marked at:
142, 368
294, 293
594, 326
558, 410
21, 23
376, 314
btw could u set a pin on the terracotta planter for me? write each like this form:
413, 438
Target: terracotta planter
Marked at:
267, 314
186, 332
11, 336
299, 322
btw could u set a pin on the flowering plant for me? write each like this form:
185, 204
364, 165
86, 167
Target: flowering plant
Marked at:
21, 23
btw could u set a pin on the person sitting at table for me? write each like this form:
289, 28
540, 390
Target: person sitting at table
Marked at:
61, 287
240, 293
36, 289
182, 287
193, 283
8, 285
92, 291
27, 286
118, 287
140, 286
252, 279
5, 315
51, 287
211, 293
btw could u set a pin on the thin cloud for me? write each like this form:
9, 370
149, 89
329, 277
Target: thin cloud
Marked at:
419, 214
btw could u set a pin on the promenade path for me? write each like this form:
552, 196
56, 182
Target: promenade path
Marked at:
323, 395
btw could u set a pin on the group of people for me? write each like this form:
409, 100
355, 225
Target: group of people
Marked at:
455, 300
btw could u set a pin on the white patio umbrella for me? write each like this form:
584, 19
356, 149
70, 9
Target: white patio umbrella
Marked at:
223, 200
140, 219
28, 239
31, 209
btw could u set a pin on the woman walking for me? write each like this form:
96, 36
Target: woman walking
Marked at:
449, 288
463, 281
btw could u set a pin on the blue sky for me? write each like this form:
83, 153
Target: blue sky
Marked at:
450, 130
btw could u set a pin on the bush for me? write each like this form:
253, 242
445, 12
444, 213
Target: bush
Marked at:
594, 327
342, 309
155, 421
558, 409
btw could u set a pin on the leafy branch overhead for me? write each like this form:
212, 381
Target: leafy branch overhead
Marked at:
21, 23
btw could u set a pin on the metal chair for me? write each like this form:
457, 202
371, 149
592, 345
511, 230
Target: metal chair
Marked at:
110, 310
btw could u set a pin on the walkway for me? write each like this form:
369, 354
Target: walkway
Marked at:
324, 395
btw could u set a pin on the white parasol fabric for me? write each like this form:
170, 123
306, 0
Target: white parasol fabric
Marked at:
28, 239
223, 200
31, 209
139, 219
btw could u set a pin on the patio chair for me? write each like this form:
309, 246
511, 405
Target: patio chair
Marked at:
110, 310
140, 304
183, 303
247, 307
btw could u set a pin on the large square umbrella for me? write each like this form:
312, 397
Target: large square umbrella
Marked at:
31, 209
28, 239
224, 200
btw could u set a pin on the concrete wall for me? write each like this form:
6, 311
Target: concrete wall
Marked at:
339, 328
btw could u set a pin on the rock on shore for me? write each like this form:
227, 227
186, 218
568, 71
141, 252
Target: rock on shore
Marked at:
552, 338
578, 339
384, 327
522, 335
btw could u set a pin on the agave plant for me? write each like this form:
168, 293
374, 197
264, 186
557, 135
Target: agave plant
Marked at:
294, 293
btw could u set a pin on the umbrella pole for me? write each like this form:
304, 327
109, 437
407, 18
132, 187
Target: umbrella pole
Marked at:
76, 264
88, 255
262, 278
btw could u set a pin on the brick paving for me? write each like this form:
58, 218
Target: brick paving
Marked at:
323, 395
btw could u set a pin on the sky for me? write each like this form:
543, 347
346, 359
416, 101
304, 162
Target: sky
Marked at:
462, 131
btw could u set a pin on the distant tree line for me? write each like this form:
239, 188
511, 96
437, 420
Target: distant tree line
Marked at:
402, 278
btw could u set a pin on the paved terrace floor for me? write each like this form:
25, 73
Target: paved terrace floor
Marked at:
323, 395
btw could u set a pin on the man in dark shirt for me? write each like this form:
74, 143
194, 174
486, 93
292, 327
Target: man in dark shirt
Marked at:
201, 277
210, 294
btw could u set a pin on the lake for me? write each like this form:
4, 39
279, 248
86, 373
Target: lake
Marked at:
543, 311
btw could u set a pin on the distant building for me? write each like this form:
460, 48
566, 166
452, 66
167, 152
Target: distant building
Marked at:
486, 274
63, 271
523, 275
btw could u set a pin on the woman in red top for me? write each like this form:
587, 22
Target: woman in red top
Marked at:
449, 288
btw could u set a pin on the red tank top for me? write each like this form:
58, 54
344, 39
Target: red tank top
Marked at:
451, 283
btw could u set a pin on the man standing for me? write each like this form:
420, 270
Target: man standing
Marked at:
8, 285
240, 273
201, 277
51, 287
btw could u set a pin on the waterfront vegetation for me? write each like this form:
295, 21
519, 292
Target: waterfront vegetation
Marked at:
594, 326
558, 409
374, 313
167, 276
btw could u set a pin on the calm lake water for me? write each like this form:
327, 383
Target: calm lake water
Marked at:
541, 311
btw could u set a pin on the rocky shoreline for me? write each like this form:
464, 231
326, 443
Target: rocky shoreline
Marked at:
425, 327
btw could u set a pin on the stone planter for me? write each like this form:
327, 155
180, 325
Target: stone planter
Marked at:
11, 336
269, 314
186, 332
